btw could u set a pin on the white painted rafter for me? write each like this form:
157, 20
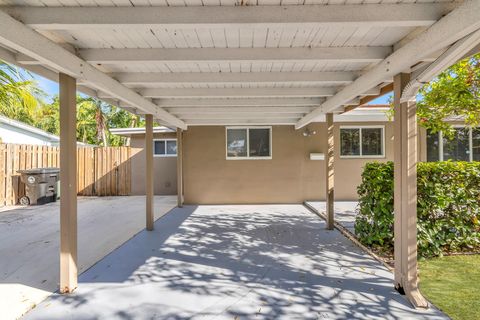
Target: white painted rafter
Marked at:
354, 54
244, 116
454, 26
233, 110
241, 122
157, 78
21, 38
235, 92
369, 15
179, 55
237, 102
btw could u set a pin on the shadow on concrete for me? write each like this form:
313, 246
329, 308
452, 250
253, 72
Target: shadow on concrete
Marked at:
235, 262
29, 244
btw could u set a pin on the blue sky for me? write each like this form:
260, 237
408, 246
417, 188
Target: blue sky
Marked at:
51, 88
381, 100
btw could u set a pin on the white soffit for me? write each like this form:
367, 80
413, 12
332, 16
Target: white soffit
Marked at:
197, 63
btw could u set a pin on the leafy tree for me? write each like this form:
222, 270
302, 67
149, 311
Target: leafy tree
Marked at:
455, 93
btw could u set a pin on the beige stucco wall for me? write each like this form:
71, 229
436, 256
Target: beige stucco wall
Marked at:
289, 177
165, 168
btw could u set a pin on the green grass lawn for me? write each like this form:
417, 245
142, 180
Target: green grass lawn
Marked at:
453, 285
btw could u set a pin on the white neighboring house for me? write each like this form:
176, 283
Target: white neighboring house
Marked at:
13, 131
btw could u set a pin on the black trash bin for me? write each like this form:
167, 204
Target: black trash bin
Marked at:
40, 185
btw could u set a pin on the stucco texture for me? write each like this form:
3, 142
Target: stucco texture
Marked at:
164, 168
289, 177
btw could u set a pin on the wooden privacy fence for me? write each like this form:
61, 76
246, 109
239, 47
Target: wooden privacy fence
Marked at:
101, 171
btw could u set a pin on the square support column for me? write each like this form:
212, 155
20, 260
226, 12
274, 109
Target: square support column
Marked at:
405, 195
329, 172
149, 171
68, 184
179, 167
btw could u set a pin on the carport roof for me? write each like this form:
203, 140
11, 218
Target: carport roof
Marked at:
204, 62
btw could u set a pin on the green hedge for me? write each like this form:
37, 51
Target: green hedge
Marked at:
448, 207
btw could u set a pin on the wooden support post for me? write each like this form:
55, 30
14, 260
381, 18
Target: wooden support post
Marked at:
405, 195
329, 170
179, 167
149, 170
422, 144
68, 184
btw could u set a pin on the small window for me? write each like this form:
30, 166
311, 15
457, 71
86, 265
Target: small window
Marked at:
165, 148
249, 143
365, 142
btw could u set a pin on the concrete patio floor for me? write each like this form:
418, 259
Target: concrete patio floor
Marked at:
235, 262
345, 212
29, 244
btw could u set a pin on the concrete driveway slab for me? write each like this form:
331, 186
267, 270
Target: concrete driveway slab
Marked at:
235, 262
29, 244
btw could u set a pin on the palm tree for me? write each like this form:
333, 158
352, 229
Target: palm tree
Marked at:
19, 97
118, 118
90, 113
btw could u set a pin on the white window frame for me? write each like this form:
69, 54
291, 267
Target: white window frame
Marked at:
361, 156
470, 142
248, 142
164, 155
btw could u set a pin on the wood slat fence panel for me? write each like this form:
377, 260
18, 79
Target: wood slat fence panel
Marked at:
101, 171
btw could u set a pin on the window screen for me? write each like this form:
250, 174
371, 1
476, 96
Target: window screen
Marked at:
171, 147
237, 142
259, 142
458, 148
350, 142
476, 144
372, 143
433, 146
159, 147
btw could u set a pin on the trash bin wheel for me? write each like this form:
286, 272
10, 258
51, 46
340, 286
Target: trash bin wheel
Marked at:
24, 201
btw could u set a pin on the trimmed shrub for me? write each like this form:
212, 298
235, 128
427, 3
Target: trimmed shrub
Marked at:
448, 207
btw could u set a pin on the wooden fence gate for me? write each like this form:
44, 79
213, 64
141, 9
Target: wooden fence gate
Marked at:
101, 171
